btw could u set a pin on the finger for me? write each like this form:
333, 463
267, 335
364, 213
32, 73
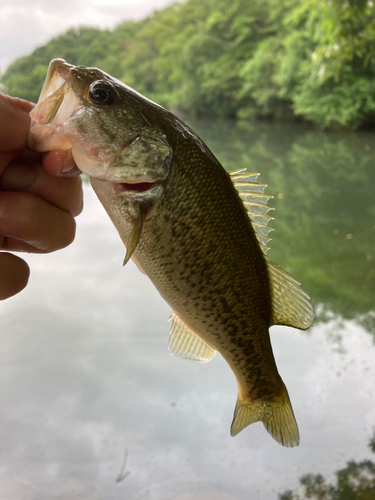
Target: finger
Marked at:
26, 217
60, 162
25, 155
6, 158
64, 193
14, 245
14, 123
14, 275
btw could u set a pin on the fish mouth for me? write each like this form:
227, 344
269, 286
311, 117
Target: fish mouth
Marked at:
58, 74
57, 103
133, 163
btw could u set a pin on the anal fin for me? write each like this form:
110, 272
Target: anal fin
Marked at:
185, 344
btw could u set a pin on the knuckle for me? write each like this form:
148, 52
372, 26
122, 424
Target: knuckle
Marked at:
67, 232
72, 195
77, 196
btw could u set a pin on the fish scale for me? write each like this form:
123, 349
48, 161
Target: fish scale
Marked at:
212, 224
197, 232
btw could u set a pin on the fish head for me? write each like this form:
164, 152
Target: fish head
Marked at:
98, 117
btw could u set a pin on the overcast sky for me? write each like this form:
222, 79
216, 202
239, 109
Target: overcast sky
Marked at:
25, 24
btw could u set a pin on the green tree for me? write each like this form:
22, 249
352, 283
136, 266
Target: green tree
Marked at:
24, 78
310, 60
355, 482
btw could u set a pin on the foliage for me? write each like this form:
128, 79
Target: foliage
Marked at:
25, 77
355, 482
282, 59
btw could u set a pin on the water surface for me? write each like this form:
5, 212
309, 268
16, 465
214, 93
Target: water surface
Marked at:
85, 375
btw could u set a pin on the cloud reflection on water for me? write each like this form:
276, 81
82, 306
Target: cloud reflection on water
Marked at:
85, 373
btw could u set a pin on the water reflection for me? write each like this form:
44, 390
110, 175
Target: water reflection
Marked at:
85, 373
325, 208
355, 482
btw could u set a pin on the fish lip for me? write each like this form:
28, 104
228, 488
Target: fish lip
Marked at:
58, 73
48, 115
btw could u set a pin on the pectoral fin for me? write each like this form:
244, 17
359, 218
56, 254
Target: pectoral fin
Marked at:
132, 243
185, 344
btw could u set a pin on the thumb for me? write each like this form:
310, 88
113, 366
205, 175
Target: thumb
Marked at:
14, 274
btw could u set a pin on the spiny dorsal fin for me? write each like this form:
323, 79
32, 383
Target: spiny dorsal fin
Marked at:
185, 344
255, 201
291, 305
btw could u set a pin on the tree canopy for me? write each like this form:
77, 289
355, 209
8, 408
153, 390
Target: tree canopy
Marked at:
310, 60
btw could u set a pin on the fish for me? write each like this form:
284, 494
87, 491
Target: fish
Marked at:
198, 232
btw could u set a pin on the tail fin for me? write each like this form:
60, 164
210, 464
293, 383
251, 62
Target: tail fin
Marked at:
277, 417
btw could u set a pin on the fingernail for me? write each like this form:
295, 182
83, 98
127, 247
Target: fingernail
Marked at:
18, 177
73, 172
67, 163
63, 159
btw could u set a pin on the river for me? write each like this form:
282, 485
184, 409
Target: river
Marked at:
85, 374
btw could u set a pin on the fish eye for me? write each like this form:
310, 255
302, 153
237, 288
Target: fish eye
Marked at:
101, 93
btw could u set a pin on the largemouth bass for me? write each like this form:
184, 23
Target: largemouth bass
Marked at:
199, 233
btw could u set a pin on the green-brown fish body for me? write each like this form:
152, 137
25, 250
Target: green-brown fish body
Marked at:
189, 225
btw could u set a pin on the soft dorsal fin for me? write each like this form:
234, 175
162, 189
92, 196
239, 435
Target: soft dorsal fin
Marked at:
291, 305
255, 201
185, 344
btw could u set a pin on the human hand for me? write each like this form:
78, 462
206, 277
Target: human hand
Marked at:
37, 204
